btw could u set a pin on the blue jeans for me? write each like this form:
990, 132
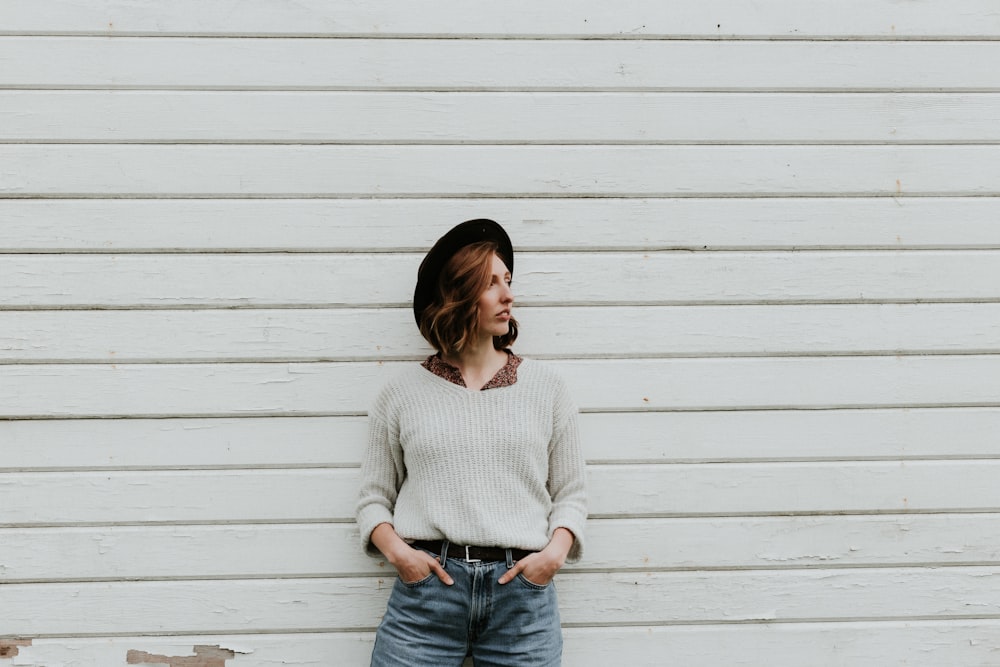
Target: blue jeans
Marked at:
429, 624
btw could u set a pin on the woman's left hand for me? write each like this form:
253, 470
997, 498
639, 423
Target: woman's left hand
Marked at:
539, 568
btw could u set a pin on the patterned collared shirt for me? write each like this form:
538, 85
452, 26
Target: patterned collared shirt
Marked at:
505, 377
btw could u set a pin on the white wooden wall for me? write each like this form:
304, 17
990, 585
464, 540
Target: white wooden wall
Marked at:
760, 239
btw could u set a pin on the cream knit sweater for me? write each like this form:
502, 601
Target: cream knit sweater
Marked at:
500, 467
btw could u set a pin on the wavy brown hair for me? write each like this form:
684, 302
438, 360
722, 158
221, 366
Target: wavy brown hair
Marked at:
450, 322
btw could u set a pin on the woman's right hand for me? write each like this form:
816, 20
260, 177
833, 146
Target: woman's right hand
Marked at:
412, 567
411, 564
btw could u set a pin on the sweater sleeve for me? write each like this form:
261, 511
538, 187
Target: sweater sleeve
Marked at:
567, 473
382, 473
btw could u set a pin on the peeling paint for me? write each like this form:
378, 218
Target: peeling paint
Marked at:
10, 647
204, 656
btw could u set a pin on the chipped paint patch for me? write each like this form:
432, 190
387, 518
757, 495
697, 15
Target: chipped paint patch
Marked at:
11, 647
204, 656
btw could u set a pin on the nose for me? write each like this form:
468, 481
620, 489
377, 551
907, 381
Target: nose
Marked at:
507, 296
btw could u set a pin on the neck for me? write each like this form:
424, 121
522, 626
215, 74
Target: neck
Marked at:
477, 363
477, 355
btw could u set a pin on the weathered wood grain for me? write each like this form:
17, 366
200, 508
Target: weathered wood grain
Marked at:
431, 171
472, 64
666, 598
284, 495
192, 443
578, 279
290, 389
289, 334
570, 118
307, 388
860, 644
401, 225
655, 437
708, 19
274, 550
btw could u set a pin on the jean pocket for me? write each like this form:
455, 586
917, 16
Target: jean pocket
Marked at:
532, 585
418, 583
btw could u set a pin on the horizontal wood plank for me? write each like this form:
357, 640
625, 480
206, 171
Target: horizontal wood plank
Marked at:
351, 225
656, 437
865, 644
564, 279
585, 599
292, 389
456, 64
431, 171
718, 436
327, 388
572, 118
192, 443
860, 644
46, 498
643, 19
259, 551
288, 334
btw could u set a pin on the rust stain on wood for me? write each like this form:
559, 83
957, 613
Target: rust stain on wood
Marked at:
10, 647
204, 656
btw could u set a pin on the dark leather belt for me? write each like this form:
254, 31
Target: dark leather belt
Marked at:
469, 553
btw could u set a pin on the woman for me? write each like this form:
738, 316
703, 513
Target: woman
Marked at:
473, 481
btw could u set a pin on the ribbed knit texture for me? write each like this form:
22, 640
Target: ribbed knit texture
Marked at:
500, 468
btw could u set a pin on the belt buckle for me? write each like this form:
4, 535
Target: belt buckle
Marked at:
470, 560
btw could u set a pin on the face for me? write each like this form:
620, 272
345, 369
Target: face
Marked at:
496, 302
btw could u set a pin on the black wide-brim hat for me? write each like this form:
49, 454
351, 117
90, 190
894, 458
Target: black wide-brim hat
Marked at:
464, 234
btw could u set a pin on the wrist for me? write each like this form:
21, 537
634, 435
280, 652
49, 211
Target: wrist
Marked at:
397, 551
560, 544
391, 545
